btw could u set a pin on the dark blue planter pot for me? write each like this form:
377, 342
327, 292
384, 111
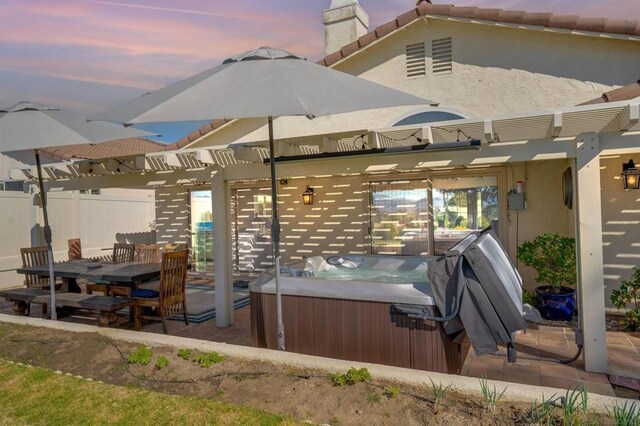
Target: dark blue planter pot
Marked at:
556, 306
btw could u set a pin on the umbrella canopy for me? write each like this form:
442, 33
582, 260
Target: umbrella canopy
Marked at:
262, 83
27, 126
30, 127
258, 84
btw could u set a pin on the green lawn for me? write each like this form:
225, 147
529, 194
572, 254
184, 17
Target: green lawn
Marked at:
36, 396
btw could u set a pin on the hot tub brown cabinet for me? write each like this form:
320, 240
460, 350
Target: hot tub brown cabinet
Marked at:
355, 330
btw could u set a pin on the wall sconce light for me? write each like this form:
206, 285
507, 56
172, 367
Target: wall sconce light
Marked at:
631, 175
307, 196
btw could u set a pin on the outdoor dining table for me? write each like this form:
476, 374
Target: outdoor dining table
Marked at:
121, 274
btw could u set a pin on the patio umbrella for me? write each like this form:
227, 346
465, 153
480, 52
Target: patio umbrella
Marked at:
26, 128
262, 83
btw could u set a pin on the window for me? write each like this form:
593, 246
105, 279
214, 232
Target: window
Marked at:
90, 191
428, 117
416, 65
12, 185
427, 217
441, 56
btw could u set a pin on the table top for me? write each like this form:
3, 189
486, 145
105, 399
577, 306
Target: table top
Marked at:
125, 272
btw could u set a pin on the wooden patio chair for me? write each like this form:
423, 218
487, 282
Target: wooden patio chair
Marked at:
171, 247
170, 300
74, 249
36, 256
147, 253
121, 253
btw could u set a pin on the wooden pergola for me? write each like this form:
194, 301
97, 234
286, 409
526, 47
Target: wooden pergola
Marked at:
582, 134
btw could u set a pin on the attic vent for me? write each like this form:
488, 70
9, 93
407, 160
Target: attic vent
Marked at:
441, 53
416, 65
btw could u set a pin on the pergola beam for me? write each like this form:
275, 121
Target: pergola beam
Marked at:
630, 116
556, 126
133, 180
488, 131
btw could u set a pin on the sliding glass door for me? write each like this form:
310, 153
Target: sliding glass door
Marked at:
428, 216
462, 205
400, 217
201, 232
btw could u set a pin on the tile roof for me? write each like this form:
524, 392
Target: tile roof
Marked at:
624, 93
543, 19
518, 17
110, 149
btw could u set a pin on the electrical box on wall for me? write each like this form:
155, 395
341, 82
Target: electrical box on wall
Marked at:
516, 201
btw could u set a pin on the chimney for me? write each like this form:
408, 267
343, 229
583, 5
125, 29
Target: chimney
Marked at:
344, 22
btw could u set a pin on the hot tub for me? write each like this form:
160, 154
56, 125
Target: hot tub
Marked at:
341, 307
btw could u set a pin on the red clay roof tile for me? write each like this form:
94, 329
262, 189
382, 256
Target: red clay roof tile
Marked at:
488, 14
620, 26
464, 12
385, 29
591, 24
567, 22
115, 148
511, 16
366, 39
407, 17
624, 93
349, 48
538, 19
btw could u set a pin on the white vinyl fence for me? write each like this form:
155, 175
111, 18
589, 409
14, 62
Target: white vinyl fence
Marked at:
98, 220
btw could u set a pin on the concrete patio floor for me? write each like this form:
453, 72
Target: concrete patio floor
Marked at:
542, 341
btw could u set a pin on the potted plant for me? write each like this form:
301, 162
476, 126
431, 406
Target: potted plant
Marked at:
553, 256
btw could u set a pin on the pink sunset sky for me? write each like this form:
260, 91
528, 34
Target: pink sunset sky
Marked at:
88, 55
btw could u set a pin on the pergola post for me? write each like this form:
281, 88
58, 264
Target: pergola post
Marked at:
590, 274
222, 250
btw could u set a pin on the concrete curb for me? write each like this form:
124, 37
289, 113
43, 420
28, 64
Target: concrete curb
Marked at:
468, 385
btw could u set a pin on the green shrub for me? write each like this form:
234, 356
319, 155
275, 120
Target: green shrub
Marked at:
629, 294
141, 356
351, 377
207, 360
185, 353
574, 406
490, 396
162, 362
543, 414
530, 298
373, 398
553, 256
624, 415
393, 391
438, 392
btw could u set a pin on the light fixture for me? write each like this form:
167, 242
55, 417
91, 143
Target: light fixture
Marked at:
631, 175
307, 196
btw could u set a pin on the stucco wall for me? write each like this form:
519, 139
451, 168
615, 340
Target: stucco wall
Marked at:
335, 223
501, 70
545, 211
172, 215
620, 223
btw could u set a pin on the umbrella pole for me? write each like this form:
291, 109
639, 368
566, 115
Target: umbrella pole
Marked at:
47, 238
275, 235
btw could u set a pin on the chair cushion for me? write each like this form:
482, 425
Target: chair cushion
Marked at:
145, 293
150, 285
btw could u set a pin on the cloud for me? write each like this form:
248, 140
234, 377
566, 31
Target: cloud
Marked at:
147, 44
